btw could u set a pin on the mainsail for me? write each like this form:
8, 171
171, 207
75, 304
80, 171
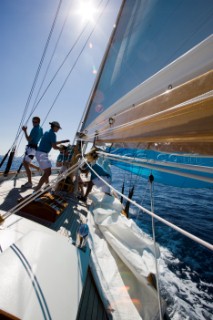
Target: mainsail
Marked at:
153, 98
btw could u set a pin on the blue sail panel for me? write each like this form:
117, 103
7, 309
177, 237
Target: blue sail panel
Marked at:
170, 169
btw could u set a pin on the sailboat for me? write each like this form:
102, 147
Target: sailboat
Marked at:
150, 114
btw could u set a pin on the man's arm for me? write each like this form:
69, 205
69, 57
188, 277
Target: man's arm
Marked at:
62, 141
28, 137
54, 145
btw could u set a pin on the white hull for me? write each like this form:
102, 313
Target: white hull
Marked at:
42, 273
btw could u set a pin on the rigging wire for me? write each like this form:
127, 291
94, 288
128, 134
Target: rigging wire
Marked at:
37, 193
75, 167
44, 92
37, 73
152, 214
37, 101
61, 65
35, 104
67, 77
50, 61
13, 148
76, 61
38, 70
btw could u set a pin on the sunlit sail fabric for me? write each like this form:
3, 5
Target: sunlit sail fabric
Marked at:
149, 36
181, 119
155, 89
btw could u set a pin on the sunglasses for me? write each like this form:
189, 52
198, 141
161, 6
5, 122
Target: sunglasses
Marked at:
35, 122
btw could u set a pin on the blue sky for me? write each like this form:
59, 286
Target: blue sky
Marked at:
24, 28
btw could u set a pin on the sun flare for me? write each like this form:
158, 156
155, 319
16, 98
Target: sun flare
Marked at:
87, 10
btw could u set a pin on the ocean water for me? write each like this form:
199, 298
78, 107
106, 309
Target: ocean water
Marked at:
185, 267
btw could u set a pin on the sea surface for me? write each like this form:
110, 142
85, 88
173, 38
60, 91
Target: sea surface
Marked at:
185, 267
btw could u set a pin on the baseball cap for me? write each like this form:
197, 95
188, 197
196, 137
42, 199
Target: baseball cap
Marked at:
55, 124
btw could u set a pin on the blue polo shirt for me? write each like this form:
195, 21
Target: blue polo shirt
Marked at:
35, 134
47, 140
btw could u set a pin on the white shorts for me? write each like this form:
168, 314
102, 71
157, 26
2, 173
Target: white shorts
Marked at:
101, 185
29, 154
42, 158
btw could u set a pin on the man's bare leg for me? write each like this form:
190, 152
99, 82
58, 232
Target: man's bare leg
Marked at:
44, 178
29, 174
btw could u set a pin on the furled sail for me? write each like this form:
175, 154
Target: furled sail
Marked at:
155, 89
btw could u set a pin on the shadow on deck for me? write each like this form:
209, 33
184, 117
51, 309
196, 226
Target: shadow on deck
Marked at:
11, 199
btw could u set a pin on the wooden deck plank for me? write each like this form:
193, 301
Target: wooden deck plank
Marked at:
95, 313
84, 300
91, 305
91, 301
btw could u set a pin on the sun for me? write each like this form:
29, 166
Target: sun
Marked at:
87, 10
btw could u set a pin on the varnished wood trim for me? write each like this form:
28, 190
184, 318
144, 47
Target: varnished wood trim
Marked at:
7, 316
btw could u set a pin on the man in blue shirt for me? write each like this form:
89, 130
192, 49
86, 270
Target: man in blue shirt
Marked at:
48, 142
33, 138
